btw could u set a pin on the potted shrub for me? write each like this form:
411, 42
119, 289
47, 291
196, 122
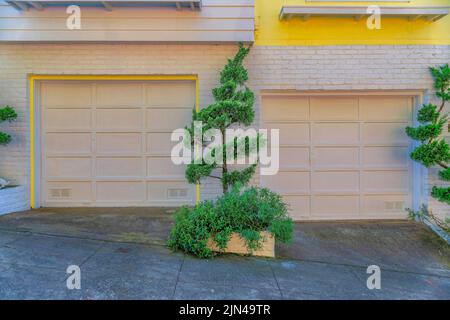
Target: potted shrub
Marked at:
242, 221
6, 114
245, 221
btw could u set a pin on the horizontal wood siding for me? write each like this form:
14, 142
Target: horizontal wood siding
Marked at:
218, 21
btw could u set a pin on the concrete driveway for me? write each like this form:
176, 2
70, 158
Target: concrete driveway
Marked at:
121, 255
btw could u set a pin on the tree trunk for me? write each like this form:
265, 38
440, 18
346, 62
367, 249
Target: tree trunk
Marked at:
224, 165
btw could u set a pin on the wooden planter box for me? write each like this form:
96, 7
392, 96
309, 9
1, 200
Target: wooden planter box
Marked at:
237, 245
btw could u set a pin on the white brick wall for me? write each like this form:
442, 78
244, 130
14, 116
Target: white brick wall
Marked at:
301, 68
359, 67
13, 199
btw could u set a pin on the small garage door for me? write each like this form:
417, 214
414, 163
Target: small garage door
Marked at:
108, 143
342, 157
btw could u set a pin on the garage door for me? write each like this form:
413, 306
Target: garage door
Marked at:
342, 157
108, 143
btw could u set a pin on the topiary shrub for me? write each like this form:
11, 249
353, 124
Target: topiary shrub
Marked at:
246, 212
232, 107
433, 149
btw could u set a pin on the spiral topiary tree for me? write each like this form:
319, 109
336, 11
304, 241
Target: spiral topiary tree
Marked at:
6, 114
434, 150
233, 106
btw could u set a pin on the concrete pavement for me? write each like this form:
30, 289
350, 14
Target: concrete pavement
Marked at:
328, 260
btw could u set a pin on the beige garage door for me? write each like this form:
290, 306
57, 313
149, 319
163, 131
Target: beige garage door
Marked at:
108, 143
342, 157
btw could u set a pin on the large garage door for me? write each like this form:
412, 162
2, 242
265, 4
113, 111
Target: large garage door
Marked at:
342, 157
108, 143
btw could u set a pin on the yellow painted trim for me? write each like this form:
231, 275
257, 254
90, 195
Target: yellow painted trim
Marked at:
115, 77
36, 77
32, 181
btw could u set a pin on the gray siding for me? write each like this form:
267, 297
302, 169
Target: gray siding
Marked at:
218, 21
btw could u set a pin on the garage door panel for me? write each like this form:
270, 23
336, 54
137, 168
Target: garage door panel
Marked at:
68, 119
287, 182
119, 191
76, 167
334, 108
170, 191
335, 181
336, 157
164, 167
119, 167
298, 206
68, 191
291, 133
385, 133
357, 156
386, 108
294, 157
386, 157
119, 94
385, 205
115, 135
159, 143
335, 205
67, 143
119, 143
167, 120
168, 94
386, 181
66, 94
119, 119
335, 133
285, 108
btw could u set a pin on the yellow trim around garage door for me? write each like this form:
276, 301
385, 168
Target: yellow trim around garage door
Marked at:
32, 84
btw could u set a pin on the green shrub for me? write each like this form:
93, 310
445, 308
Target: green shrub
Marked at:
245, 212
6, 114
441, 193
433, 150
428, 113
4, 138
444, 174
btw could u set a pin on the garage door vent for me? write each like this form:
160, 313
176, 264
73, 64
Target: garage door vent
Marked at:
60, 193
394, 205
177, 193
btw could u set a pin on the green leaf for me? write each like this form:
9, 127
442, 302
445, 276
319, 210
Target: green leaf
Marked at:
445, 174
442, 194
194, 172
239, 176
7, 113
428, 113
4, 138
425, 132
432, 153
441, 75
